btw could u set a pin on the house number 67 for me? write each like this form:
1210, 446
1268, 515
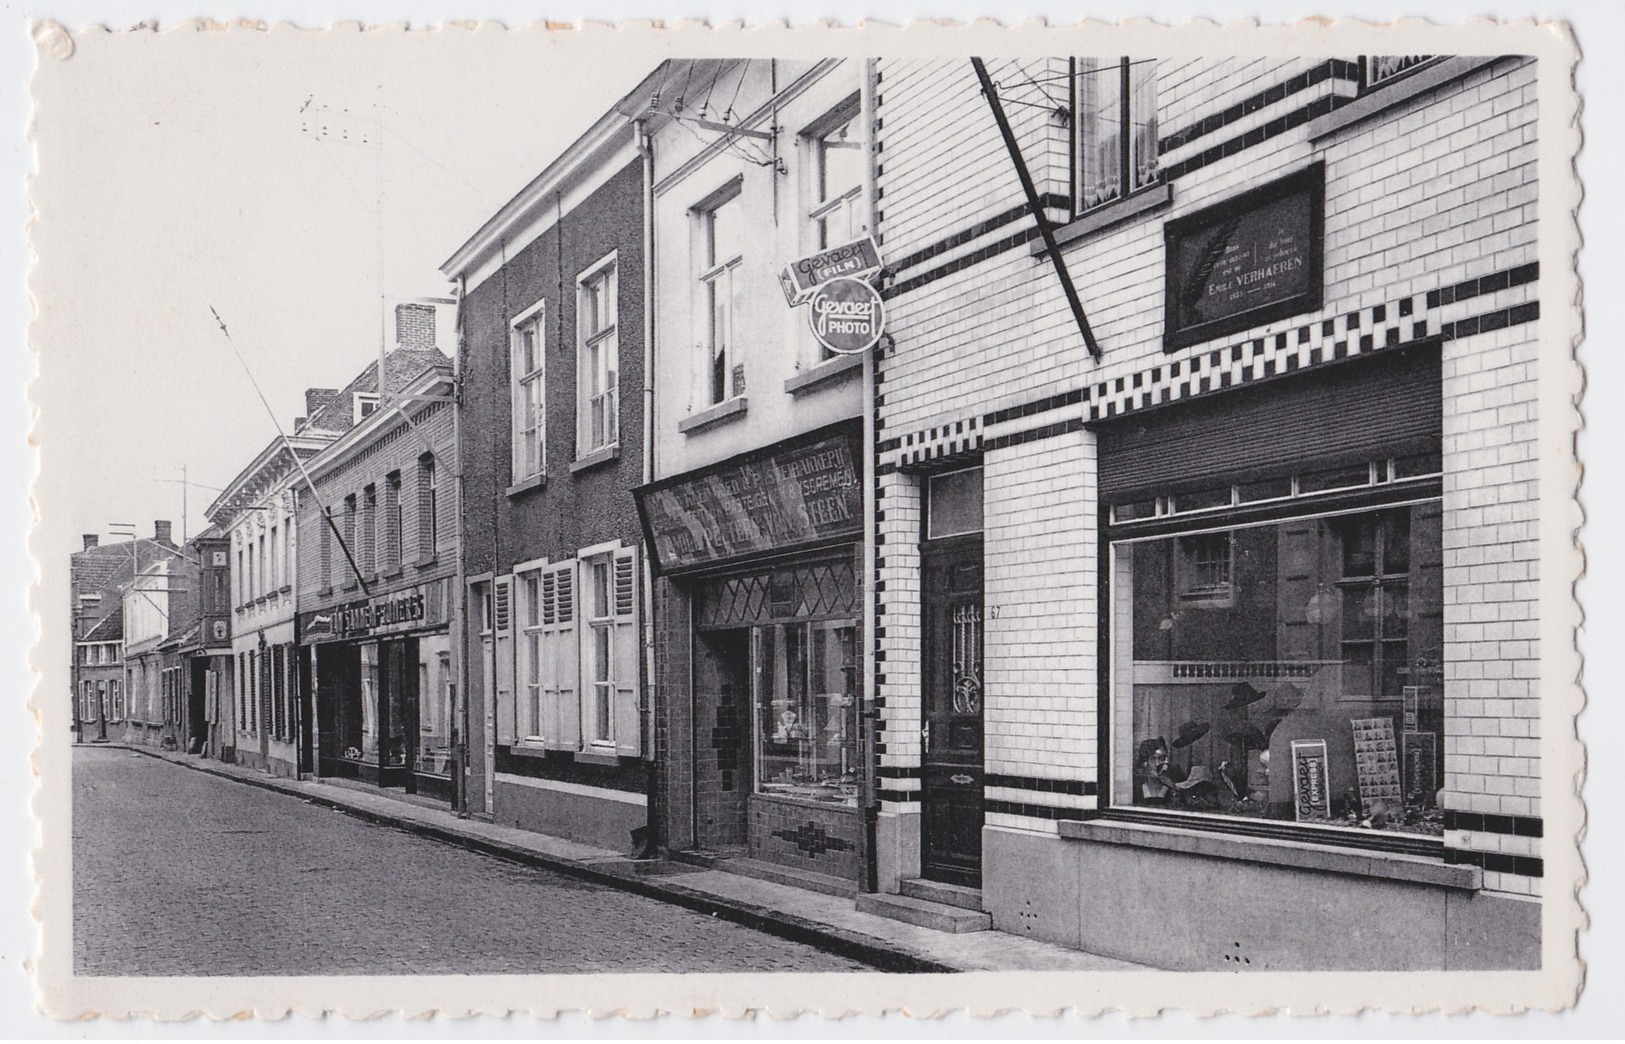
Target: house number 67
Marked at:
993, 611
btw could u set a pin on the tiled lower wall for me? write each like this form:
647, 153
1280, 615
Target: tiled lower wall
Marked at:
807, 837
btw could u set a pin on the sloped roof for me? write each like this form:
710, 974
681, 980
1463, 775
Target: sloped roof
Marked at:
109, 628
401, 367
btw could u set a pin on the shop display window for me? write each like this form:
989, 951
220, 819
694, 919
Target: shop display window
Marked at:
359, 710
1288, 670
805, 688
435, 708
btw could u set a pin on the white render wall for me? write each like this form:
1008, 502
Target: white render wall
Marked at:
1432, 192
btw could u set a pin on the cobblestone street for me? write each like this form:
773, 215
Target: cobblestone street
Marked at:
181, 873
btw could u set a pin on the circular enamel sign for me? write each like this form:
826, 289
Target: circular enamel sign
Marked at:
847, 315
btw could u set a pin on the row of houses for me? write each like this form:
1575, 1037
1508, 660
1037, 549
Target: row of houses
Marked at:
1163, 572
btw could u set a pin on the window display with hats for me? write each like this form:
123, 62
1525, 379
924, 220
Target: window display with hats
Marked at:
1309, 689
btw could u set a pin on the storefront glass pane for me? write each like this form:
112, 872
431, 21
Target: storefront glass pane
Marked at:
806, 710
369, 701
1286, 671
434, 707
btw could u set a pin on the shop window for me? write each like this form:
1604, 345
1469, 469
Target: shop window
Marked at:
528, 391
598, 360
721, 239
954, 503
1285, 670
804, 678
436, 715
1116, 128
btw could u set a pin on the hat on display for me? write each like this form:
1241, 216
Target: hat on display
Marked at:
1248, 736
1199, 775
1189, 733
1242, 694
1149, 747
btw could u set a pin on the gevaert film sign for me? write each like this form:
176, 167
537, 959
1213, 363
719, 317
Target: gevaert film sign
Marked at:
1246, 261
847, 315
804, 275
792, 496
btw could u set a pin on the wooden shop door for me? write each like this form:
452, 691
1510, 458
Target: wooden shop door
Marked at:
951, 690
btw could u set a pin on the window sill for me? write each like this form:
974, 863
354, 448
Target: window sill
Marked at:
594, 757
602, 455
426, 561
526, 485
323, 592
1384, 98
824, 373
731, 409
1272, 851
284, 589
1111, 214
391, 575
351, 586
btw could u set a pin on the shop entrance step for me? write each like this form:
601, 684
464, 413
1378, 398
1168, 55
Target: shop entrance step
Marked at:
788, 875
940, 917
962, 896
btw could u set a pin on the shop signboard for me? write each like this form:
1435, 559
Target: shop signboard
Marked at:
804, 275
847, 316
796, 494
1376, 760
398, 611
1247, 261
1311, 780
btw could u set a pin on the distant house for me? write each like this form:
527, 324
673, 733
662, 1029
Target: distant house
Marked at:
97, 577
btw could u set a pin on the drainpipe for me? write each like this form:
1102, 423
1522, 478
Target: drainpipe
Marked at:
460, 617
871, 720
655, 793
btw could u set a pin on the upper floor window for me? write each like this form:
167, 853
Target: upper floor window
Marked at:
1117, 128
722, 238
365, 405
428, 507
529, 366
389, 547
597, 405
836, 166
370, 524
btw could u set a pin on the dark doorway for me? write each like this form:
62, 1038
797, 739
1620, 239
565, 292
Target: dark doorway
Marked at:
306, 713
398, 712
722, 741
197, 725
951, 691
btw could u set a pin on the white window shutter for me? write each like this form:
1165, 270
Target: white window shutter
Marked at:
502, 652
628, 657
561, 708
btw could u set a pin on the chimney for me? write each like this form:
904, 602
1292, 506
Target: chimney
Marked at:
161, 531
414, 325
91, 540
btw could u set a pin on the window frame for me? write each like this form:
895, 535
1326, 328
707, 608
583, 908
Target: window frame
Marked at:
820, 204
598, 356
716, 273
428, 507
532, 320
1123, 154
596, 631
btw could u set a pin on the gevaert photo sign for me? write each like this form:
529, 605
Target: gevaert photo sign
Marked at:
847, 315
899, 520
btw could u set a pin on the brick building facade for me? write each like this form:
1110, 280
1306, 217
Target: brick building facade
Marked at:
553, 399
1245, 604
374, 580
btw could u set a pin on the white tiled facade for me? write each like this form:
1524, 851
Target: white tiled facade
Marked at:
1429, 188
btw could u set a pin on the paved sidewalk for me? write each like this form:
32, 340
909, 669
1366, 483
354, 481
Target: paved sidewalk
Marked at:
828, 922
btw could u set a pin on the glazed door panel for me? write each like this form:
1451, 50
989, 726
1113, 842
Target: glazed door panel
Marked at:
951, 690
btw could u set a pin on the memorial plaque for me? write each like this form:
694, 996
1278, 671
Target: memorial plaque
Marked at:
796, 494
1245, 262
